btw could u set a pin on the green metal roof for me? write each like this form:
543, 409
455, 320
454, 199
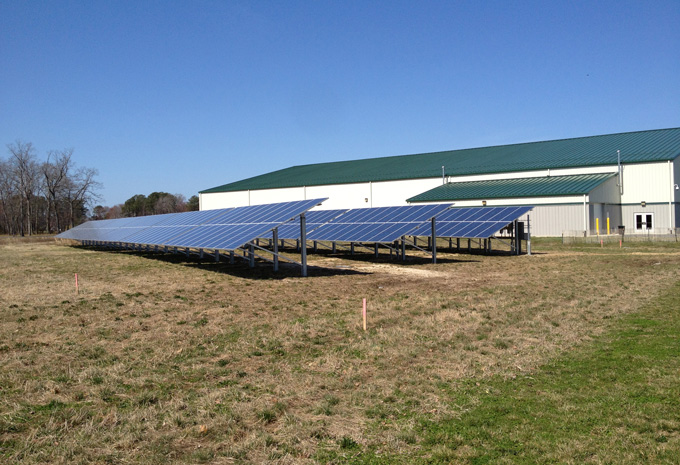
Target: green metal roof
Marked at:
635, 147
513, 188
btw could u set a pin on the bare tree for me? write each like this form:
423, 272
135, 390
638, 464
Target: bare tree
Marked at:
115, 212
8, 197
80, 191
56, 172
26, 177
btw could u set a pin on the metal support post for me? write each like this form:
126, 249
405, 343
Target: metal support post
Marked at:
403, 248
217, 255
375, 246
275, 241
457, 244
529, 235
434, 240
231, 257
351, 248
303, 239
469, 246
251, 256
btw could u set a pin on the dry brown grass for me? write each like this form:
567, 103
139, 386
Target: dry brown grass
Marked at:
159, 360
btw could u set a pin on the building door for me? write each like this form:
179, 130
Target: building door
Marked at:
644, 221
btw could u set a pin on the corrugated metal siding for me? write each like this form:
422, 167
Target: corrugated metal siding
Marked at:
554, 219
635, 147
514, 188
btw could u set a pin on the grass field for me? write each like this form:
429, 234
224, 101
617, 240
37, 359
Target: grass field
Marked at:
571, 355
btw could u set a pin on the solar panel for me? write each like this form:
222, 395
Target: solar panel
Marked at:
114, 230
473, 222
224, 229
382, 224
172, 226
239, 226
313, 219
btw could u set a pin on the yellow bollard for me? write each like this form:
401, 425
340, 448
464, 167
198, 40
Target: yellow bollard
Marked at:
608, 233
597, 225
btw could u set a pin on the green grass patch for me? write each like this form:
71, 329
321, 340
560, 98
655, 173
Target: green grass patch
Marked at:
616, 400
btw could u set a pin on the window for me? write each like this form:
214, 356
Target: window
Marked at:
644, 221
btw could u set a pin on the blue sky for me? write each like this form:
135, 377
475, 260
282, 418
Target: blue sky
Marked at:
183, 96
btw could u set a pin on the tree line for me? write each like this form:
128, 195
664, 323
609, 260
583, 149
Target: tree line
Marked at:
43, 197
53, 195
156, 203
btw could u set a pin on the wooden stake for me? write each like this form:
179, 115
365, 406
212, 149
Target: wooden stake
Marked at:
364, 314
77, 290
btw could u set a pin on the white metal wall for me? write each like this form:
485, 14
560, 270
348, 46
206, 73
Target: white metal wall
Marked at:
647, 182
552, 220
358, 195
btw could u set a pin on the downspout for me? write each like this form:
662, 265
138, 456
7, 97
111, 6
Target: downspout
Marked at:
248, 197
585, 216
670, 196
370, 193
620, 170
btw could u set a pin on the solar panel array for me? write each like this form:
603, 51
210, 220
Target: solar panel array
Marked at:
313, 220
241, 225
382, 224
473, 222
224, 229
232, 228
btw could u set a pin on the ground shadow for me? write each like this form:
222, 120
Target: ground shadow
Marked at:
239, 268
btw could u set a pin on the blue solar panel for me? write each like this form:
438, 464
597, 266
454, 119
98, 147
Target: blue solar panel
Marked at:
313, 219
224, 229
172, 226
383, 224
114, 230
238, 226
473, 222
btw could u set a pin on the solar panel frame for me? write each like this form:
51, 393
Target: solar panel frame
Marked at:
313, 219
171, 227
241, 225
474, 222
224, 229
113, 230
378, 225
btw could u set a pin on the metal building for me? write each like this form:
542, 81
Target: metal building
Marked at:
578, 186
